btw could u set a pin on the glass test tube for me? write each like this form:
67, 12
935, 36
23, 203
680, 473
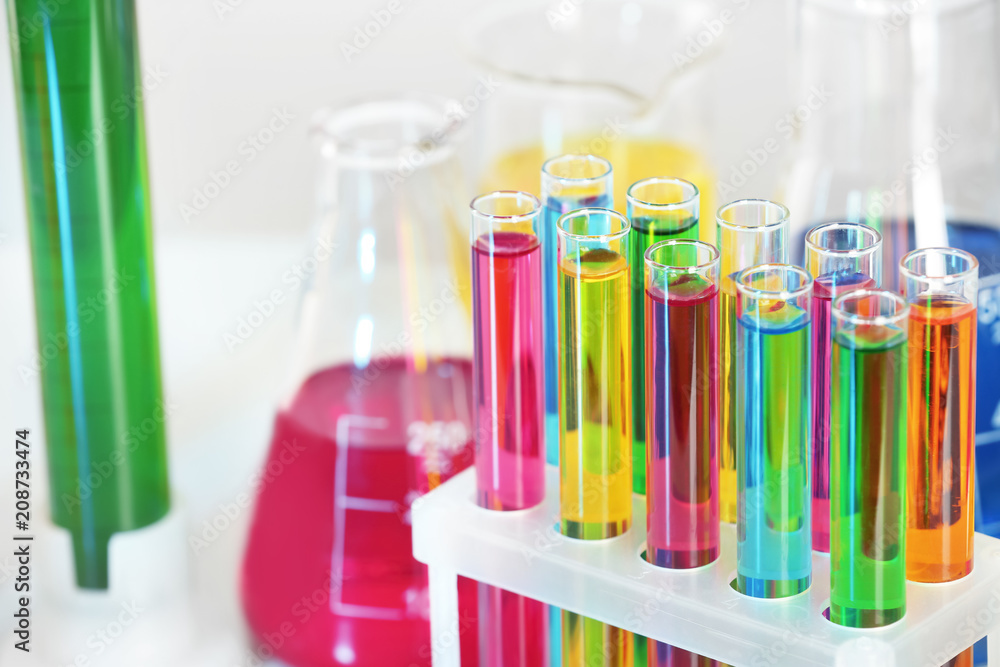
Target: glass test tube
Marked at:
941, 285
89, 217
595, 448
841, 256
868, 459
508, 372
658, 209
569, 182
682, 403
509, 403
750, 232
774, 543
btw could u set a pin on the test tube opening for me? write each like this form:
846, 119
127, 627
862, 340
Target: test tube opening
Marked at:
663, 193
752, 214
782, 282
577, 168
682, 255
849, 238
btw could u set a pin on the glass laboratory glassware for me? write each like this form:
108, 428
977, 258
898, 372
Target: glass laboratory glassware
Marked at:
681, 352
750, 232
624, 79
908, 142
941, 285
774, 538
658, 209
868, 459
76, 70
569, 182
381, 409
841, 256
595, 413
509, 403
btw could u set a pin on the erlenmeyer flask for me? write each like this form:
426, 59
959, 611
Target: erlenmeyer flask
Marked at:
381, 409
904, 135
625, 80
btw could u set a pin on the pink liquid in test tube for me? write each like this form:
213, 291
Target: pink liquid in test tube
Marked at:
841, 256
682, 404
509, 404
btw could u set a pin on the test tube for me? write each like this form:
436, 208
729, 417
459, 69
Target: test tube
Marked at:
750, 232
868, 459
841, 256
509, 403
941, 286
682, 403
595, 447
508, 372
569, 182
659, 209
774, 538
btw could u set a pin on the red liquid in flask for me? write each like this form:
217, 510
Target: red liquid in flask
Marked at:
329, 576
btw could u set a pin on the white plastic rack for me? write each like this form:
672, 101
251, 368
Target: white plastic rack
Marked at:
697, 610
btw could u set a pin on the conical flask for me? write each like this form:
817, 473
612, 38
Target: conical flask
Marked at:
380, 409
898, 127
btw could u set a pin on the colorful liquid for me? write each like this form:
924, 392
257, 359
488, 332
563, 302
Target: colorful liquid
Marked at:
509, 403
941, 461
329, 552
645, 232
682, 414
508, 394
513, 630
570, 199
590, 643
728, 332
774, 538
868, 477
84, 155
595, 413
825, 289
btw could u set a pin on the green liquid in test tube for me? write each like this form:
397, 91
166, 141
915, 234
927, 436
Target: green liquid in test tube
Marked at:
79, 88
868, 459
659, 209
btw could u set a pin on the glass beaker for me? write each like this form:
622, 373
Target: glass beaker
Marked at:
622, 80
903, 134
382, 405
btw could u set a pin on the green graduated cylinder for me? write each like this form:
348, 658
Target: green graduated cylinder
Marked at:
79, 99
868, 476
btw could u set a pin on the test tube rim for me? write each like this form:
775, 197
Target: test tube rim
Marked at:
577, 156
902, 313
632, 199
761, 228
850, 252
694, 268
604, 238
782, 295
972, 271
506, 219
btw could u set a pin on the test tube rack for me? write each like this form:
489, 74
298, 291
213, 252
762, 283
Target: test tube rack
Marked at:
697, 610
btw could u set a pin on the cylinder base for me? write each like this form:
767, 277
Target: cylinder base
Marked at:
771, 588
850, 617
586, 530
681, 560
